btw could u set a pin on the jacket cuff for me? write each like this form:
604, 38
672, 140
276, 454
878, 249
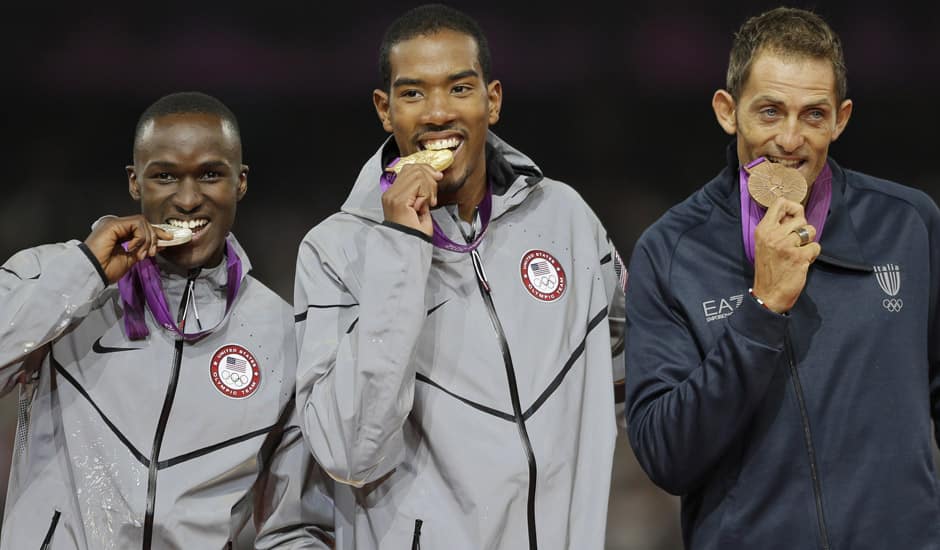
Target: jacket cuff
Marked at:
94, 261
756, 322
408, 230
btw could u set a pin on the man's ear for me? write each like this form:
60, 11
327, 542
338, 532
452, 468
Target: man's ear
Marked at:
494, 92
724, 107
242, 182
132, 186
842, 118
380, 100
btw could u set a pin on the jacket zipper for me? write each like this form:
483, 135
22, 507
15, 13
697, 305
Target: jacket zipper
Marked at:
47, 541
810, 449
484, 286
164, 418
416, 537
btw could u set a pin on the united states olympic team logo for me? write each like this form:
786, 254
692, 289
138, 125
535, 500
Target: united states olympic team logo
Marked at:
543, 276
889, 279
234, 371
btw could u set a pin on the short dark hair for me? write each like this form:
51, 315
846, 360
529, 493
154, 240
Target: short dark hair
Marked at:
429, 19
788, 32
186, 103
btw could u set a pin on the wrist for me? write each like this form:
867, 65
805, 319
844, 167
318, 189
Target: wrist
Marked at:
762, 303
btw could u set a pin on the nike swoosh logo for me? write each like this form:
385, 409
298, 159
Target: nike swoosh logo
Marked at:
98, 348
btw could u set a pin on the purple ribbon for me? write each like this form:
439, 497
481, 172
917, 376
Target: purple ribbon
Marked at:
439, 239
143, 283
817, 207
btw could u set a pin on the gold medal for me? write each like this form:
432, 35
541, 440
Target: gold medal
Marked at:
769, 180
439, 159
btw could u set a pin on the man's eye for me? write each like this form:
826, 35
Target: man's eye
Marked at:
411, 94
165, 176
211, 175
769, 112
461, 89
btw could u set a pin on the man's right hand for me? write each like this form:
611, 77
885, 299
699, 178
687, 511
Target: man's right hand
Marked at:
409, 201
107, 238
780, 262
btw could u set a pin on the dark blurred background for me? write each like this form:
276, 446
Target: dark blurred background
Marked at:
614, 100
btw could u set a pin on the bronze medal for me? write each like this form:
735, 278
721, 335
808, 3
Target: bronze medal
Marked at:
769, 180
438, 159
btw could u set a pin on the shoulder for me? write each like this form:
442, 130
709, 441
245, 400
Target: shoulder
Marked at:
695, 213
27, 263
890, 195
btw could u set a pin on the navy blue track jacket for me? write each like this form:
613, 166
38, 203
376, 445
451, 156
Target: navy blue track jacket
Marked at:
806, 430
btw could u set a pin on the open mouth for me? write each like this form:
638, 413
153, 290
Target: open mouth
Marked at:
196, 225
453, 143
789, 163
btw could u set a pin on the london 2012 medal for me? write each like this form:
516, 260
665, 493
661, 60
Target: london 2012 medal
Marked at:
439, 159
181, 235
768, 180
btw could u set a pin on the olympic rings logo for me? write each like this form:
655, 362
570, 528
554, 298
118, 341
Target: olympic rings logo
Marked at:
235, 378
893, 305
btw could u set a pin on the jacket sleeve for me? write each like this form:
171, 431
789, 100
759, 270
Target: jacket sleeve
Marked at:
686, 405
43, 291
294, 505
615, 279
355, 375
932, 219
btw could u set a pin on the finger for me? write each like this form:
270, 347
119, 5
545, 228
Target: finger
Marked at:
812, 251
800, 231
781, 208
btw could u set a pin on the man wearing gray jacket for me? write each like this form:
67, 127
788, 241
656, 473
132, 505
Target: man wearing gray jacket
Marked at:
457, 326
157, 382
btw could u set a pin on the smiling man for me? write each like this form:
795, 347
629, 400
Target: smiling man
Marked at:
157, 383
457, 327
783, 364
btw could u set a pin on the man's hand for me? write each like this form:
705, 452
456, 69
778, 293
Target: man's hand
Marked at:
409, 201
108, 236
780, 261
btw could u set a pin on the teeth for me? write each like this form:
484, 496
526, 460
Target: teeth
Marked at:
188, 224
442, 143
787, 163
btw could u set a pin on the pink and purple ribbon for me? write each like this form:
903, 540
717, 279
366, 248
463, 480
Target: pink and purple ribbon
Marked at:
817, 208
439, 239
143, 285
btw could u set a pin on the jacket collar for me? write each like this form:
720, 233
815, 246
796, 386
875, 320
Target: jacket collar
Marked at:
840, 244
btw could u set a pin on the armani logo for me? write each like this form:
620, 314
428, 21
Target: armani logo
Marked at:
719, 309
889, 279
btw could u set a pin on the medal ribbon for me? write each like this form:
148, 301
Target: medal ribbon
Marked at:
817, 207
439, 239
143, 284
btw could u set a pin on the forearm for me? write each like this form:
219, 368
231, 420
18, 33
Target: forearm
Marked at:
683, 418
357, 396
41, 297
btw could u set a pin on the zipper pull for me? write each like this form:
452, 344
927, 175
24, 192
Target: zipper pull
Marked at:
478, 269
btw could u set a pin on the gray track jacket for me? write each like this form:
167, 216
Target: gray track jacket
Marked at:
127, 444
464, 400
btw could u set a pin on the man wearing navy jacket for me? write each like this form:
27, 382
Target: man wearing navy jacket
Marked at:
782, 363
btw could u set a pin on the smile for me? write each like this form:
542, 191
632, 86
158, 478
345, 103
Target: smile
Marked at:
195, 225
451, 143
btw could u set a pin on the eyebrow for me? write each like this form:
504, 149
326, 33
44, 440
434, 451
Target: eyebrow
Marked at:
405, 81
166, 165
822, 102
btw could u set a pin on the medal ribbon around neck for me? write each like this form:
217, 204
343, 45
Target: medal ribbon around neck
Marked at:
439, 239
817, 207
142, 284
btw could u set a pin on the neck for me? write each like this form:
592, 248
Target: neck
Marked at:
469, 196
